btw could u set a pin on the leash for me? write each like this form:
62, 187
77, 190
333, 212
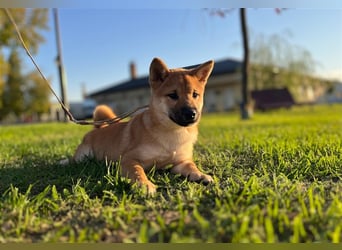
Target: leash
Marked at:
65, 109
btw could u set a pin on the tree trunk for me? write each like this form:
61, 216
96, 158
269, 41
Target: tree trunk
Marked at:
245, 65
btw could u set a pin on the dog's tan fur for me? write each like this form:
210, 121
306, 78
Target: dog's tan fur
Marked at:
154, 137
102, 113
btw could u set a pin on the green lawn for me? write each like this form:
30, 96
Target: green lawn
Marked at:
278, 178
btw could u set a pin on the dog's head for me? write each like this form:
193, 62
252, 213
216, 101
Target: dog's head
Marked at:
177, 94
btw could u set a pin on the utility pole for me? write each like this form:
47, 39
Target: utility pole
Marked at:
62, 78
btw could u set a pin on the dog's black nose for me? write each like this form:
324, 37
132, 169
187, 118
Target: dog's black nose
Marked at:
184, 116
188, 114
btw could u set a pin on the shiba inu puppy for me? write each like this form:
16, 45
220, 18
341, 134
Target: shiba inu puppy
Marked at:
162, 135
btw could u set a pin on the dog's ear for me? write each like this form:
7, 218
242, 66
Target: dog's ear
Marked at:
202, 72
158, 72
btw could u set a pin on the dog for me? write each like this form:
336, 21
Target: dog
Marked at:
161, 136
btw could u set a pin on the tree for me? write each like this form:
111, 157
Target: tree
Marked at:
4, 71
245, 114
30, 23
276, 62
37, 97
245, 66
13, 96
245, 103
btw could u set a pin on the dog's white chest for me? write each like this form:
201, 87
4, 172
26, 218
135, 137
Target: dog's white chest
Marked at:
157, 156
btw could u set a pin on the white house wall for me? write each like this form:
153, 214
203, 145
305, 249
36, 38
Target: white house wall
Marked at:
126, 100
222, 93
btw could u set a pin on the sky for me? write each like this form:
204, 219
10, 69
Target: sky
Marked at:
98, 44
173, 3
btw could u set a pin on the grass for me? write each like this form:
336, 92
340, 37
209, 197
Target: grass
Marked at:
277, 179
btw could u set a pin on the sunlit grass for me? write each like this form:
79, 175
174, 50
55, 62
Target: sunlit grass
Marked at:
277, 179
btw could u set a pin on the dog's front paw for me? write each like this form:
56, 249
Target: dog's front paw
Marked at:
148, 187
200, 177
151, 188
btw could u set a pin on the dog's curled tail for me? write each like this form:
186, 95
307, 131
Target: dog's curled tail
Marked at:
103, 112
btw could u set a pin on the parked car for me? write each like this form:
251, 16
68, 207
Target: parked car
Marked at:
83, 110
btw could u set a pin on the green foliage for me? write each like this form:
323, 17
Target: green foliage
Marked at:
4, 70
277, 179
276, 62
38, 95
30, 23
13, 97
18, 96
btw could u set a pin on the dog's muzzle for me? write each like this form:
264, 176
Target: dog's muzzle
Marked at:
184, 116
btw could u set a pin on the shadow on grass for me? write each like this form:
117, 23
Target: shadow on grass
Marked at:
92, 175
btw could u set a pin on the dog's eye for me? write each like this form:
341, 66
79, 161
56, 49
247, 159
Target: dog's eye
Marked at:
173, 96
195, 95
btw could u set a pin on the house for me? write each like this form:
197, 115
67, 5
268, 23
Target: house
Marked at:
222, 90
333, 94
